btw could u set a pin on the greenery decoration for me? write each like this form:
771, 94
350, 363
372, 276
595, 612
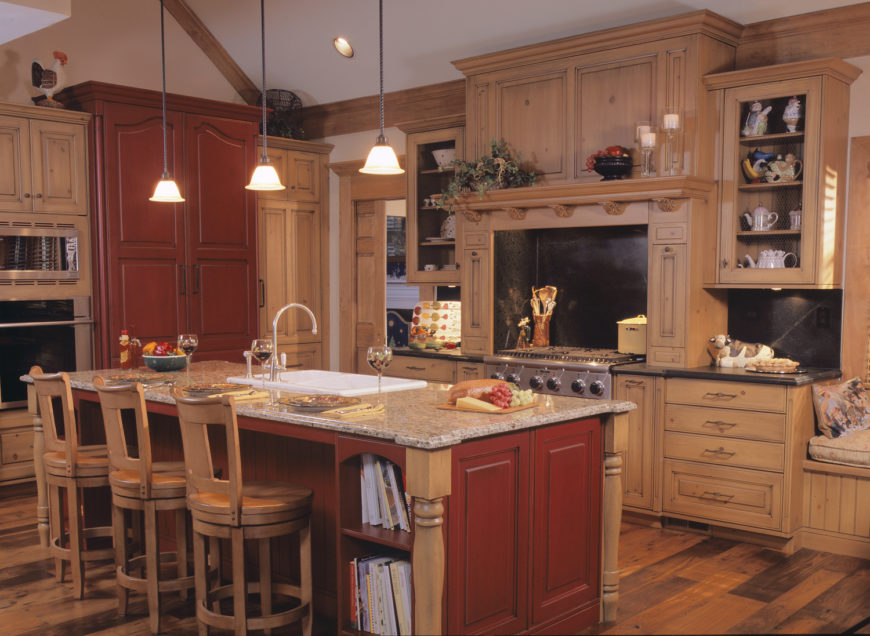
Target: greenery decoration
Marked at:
489, 172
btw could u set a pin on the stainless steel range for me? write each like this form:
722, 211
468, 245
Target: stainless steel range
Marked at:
569, 371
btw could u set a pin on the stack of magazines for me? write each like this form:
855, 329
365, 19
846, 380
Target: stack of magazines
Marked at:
384, 501
380, 593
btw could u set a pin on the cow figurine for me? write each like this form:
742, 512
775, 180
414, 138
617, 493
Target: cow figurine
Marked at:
735, 353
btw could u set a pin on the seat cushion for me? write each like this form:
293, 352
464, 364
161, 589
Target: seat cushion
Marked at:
851, 450
86, 465
841, 408
270, 501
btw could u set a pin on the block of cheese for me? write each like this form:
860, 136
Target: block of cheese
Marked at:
473, 404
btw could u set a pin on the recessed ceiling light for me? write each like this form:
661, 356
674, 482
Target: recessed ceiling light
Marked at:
343, 46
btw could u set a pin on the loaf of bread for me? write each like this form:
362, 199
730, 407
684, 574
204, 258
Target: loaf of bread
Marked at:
479, 389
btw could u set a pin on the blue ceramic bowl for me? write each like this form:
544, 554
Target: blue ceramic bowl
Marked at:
165, 363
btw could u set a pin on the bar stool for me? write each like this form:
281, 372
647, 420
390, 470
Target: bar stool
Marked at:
145, 486
233, 510
71, 466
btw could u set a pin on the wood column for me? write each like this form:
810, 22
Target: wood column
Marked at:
615, 444
39, 468
428, 482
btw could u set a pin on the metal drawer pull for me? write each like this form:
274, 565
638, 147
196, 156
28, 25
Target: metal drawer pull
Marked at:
730, 396
722, 426
416, 368
721, 452
717, 496
633, 383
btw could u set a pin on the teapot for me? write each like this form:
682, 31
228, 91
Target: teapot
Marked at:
761, 219
788, 169
771, 259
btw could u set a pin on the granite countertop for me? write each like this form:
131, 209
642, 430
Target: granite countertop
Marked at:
444, 354
727, 374
411, 418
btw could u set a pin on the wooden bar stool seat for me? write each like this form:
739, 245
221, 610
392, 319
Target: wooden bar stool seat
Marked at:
145, 487
72, 467
235, 511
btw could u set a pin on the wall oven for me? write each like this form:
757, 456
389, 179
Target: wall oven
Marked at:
55, 334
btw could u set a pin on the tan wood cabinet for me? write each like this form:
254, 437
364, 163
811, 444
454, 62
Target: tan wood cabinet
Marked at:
434, 369
294, 250
16, 446
641, 469
799, 241
43, 160
431, 254
476, 290
733, 453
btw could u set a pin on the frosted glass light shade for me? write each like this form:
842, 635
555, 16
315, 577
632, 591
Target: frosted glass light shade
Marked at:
382, 159
166, 191
265, 177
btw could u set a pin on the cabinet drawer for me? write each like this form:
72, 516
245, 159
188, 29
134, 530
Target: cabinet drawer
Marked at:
422, 369
734, 395
725, 451
718, 493
725, 422
16, 447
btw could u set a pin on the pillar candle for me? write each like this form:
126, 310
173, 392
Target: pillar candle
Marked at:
672, 121
648, 140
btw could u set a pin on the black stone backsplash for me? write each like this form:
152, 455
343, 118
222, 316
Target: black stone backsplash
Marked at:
804, 325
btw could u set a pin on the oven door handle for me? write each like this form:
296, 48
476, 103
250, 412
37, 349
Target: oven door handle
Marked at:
47, 323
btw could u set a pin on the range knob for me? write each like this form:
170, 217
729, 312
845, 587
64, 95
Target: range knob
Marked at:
536, 382
578, 386
596, 388
497, 376
513, 378
554, 384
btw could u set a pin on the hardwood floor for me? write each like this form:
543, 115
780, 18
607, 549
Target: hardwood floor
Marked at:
673, 582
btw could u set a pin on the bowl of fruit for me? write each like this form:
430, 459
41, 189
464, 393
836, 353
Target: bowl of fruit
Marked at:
163, 356
612, 163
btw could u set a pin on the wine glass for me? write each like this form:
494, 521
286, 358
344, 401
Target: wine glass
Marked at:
188, 342
379, 358
261, 349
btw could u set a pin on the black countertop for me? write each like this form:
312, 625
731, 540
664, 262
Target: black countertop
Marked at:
727, 374
441, 354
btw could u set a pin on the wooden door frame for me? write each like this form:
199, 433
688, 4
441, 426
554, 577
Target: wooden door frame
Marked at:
355, 186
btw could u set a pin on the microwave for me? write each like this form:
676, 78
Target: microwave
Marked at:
31, 251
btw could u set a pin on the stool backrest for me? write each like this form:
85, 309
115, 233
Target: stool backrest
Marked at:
195, 415
49, 386
114, 400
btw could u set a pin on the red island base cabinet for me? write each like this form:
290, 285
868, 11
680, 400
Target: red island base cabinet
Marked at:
523, 531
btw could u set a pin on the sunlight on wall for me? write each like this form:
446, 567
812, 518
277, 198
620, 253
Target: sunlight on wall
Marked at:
829, 224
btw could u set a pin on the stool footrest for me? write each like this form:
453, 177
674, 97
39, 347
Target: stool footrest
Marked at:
270, 621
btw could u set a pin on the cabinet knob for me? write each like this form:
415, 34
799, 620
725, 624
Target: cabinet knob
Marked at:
667, 249
26, 195
39, 196
724, 263
474, 253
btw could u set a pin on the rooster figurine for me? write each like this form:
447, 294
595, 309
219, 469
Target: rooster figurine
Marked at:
49, 81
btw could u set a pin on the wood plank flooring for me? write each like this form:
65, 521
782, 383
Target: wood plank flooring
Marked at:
673, 582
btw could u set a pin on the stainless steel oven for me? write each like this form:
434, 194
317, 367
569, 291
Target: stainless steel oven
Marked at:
55, 334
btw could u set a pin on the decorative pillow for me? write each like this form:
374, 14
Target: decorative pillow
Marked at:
842, 408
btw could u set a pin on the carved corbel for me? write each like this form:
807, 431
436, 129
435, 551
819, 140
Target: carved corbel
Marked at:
472, 215
613, 208
517, 214
668, 205
562, 211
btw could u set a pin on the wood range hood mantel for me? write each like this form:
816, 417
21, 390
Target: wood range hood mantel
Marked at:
612, 196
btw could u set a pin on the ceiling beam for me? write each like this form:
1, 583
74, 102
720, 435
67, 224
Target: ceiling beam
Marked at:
218, 55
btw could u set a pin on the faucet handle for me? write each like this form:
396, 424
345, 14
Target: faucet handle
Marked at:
283, 359
248, 357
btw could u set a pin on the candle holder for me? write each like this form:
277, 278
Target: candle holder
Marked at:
647, 142
671, 126
541, 337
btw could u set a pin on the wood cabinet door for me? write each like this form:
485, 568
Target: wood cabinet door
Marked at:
59, 167
144, 268
666, 302
220, 155
15, 193
303, 176
566, 518
369, 278
638, 470
487, 564
476, 304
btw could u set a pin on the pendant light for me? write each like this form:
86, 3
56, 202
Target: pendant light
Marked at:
382, 159
166, 190
265, 176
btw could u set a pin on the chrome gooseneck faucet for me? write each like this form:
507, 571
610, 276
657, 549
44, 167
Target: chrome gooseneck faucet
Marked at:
274, 366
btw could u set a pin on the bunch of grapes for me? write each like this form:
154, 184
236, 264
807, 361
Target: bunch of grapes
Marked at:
520, 397
501, 395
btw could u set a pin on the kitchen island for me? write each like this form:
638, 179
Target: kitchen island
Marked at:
519, 513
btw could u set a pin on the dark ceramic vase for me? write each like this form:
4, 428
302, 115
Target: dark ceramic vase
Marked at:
613, 167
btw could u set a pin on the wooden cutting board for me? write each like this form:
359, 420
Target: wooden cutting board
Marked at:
513, 409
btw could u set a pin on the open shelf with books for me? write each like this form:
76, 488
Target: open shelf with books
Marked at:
375, 538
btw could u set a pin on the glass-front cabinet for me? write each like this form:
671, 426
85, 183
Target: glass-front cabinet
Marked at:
783, 173
431, 239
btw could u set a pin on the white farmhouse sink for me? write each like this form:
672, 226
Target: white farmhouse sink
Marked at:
317, 381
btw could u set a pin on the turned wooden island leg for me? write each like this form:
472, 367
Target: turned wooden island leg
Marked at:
428, 482
38, 468
615, 442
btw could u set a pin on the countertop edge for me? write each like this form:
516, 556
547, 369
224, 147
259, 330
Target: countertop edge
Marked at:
727, 374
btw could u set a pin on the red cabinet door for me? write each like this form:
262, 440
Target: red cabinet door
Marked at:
144, 242
220, 155
487, 564
567, 513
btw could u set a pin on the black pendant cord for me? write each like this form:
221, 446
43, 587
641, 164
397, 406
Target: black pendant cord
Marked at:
381, 138
265, 158
163, 74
